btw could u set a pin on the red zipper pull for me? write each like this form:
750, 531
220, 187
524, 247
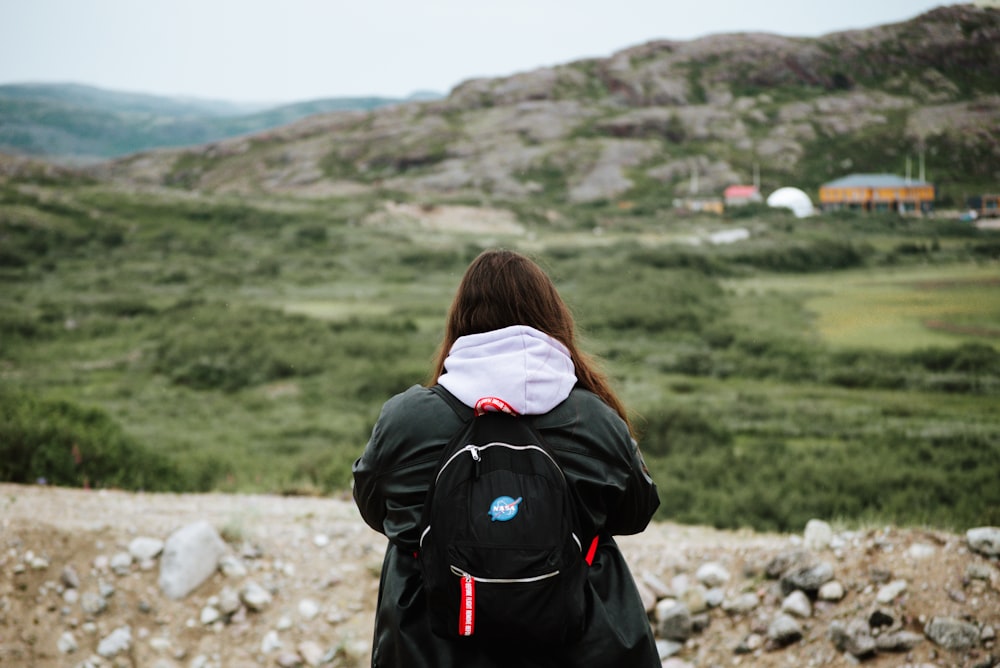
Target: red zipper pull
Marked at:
467, 607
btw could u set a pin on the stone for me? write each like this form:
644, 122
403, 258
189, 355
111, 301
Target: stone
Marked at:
121, 563
93, 604
270, 642
797, 604
115, 643
310, 652
984, 540
308, 609
888, 593
855, 638
920, 551
667, 648
742, 604
190, 556
784, 630
831, 591
898, 641
951, 633
232, 567
70, 578
145, 548
807, 578
818, 535
67, 643
673, 620
255, 597
712, 574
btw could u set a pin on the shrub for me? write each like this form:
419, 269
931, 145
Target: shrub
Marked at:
66, 444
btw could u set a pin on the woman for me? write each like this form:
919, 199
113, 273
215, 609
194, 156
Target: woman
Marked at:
509, 335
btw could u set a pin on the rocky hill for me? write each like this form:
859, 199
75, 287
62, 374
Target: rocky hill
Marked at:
95, 579
650, 123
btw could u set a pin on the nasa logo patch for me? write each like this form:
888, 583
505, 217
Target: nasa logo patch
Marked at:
504, 508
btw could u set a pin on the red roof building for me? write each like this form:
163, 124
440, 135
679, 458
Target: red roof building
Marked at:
738, 195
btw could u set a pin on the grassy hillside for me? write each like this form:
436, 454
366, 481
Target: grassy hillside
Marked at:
839, 367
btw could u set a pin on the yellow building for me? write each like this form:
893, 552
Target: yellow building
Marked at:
877, 192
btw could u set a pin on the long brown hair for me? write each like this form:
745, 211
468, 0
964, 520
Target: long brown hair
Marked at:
503, 288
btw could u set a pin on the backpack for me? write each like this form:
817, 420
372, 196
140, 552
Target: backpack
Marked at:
500, 552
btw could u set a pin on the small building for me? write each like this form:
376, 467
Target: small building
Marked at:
699, 205
791, 198
985, 206
877, 192
740, 195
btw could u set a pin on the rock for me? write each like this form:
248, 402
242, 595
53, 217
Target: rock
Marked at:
67, 643
310, 652
647, 596
855, 638
93, 604
808, 578
673, 620
209, 615
952, 633
714, 597
898, 641
695, 600
742, 604
891, 591
255, 597
190, 556
818, 535
308, 609
270, 642
144, 548
229, 601
667, 648
784, 630
118, 641
712, 574
920, 551
288, 660
831, 591
797, 604
121, 563
984, 540
656, 585
232, 567
70, 578
784, 562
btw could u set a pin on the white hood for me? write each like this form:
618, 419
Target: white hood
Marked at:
526, 368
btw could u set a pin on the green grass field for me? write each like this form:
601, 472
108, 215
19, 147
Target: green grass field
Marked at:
897, 309
840, 368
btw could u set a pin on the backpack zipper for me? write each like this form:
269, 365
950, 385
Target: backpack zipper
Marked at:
475, 450
537, 578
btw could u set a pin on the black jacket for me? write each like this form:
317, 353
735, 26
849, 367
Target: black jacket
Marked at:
601, 461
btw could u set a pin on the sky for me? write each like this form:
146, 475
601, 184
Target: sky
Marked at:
276, 51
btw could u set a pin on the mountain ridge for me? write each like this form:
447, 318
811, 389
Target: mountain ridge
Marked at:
77, 124
636, 126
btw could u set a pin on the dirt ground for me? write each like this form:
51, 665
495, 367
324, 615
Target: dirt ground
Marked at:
321, 563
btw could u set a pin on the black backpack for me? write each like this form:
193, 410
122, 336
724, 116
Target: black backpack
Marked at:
500, 548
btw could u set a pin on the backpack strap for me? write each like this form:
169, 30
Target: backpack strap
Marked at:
460, 409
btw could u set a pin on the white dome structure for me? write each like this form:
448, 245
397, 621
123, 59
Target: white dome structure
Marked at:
791, 198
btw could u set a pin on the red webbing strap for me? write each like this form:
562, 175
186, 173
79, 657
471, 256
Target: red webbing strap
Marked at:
591, 551
467, 607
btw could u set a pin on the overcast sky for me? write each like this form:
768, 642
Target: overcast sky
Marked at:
294, 50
